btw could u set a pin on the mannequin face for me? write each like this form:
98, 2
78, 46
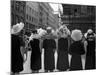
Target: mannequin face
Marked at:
91, 37
63, 32
49, 31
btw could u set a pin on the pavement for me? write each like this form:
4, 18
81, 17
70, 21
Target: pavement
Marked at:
27, 68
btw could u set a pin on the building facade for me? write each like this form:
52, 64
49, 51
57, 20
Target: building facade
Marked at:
17, 11
43, 15
32, 15
47, 17
79, 17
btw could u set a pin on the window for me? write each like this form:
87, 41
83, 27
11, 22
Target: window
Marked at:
27, 16
75, 10
22, 9
37, 13
17, 19
21, 19
27, 8
33, 11
32, 19
30, 9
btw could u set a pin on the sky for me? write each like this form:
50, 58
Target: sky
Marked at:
56, 6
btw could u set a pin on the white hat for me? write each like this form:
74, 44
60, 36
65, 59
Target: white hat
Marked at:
85, 35
41, 32
76, 35
54, 32
17, 28
89, 31
31, 37
49, 28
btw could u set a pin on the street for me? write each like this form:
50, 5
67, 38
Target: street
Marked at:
26, 65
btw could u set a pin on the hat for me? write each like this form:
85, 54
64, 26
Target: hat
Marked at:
54, 32
34, 36
49, 30
41, 31
89, 31
17, 28
76, 35
63, 30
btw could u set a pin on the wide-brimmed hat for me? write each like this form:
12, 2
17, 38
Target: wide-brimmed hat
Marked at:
76, 35
17, 28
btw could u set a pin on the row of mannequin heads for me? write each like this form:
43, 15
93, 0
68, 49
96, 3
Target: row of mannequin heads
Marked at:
62, 31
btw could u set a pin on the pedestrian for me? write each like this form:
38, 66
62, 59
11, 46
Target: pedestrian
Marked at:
36, 53
16, 46
49, 46
62, 63
76, 50
91, 53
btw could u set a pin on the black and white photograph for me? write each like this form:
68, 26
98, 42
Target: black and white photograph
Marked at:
51, 37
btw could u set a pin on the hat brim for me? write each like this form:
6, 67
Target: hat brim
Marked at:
17, 28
